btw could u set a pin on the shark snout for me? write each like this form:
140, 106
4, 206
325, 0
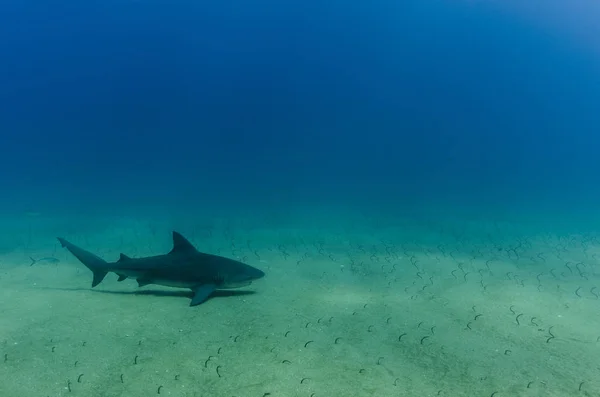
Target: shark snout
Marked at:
242, 278
255, 273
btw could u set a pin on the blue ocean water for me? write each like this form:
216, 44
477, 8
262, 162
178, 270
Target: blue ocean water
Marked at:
120, 104
417, 179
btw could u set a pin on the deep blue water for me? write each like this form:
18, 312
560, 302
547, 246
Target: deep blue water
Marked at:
115, 104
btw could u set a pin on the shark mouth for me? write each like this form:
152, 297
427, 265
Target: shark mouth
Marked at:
238, 284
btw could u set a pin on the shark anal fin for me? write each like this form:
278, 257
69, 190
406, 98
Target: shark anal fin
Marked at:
202, 293
122, 277
181, 244
143, 282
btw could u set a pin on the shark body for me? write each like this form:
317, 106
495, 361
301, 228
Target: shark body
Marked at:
183, 267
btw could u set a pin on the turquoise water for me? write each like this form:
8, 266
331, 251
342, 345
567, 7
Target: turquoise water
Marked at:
416, 179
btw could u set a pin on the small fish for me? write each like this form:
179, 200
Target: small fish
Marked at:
48, 259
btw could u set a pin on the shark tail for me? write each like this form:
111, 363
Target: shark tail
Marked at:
33, 261
97, 265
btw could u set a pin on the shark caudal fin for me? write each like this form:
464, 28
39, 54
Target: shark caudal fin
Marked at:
97, 265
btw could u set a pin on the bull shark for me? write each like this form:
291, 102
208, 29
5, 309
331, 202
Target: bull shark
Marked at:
183, 267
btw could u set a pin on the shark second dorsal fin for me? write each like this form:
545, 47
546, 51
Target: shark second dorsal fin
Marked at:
123, 257
181, 244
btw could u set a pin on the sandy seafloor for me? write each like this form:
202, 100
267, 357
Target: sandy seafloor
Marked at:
350, 306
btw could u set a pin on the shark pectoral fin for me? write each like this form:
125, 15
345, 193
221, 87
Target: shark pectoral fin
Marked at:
202, 293
122, 277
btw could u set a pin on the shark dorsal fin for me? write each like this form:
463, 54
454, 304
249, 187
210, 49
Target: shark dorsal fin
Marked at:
123, 257
181, 244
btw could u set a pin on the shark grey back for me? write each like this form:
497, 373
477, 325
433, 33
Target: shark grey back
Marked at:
183, 267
